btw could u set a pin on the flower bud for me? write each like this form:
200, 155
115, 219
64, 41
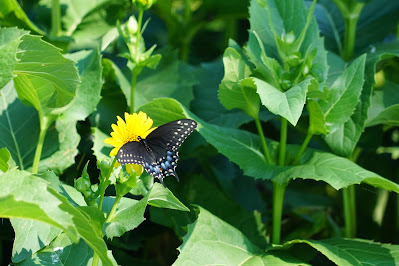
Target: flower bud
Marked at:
143, 4
131, 25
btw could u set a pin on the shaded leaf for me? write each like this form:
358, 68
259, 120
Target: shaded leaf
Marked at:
33, 198
232, 93
11, 15
10, 39
384, 108
88, 91
344, 94
210, 240
343, 251
44, 78
31, 236
129, 215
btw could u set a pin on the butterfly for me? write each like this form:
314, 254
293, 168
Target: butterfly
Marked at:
158, 151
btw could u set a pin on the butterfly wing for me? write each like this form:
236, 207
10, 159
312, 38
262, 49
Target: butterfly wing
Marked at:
158, 152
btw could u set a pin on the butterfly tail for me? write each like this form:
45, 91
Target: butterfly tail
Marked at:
161, 180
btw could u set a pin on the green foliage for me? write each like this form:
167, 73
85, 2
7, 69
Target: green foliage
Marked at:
242, 70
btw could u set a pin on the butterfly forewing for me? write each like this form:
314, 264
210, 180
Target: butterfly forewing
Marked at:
158, 152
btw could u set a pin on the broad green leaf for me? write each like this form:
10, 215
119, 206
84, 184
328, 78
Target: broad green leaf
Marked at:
287, 104
129, 215
33, 198
11, 15
44, 78
342, 251
344, 95
344, 139
22, 134
31, 236
198, 191
5, 157
317, 122
281, 17
384, 108
244, 149
88, 91
232, 93
67, 144
163, 198
62, 251
210, 240
10, 38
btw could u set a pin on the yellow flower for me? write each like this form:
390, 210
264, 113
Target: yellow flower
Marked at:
123, 132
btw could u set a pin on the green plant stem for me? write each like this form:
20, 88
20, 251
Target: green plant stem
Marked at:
138, 34
133, 91
106, 178
349, 211
263, 140
135, 71
114, 207
55, 18
283, 141
302, 148
350, 11
278, 199
96, 259
44, 124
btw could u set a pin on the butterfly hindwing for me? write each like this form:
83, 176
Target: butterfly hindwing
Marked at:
158, 152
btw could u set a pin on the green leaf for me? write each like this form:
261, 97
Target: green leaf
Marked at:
129, 215
100, 148
44, 78
62, 251
244, 149
21, 136
234, 94
5, 157
281, 17
344, 139
33, 198
31, 236
163, 198
343, 251
10, 39
67, 144
344, 95
287, 104
210, 240
89, 90
12, 15
384, 108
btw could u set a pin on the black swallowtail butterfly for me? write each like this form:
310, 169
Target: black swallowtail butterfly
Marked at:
158, 151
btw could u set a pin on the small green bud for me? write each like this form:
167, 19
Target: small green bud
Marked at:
131, 25
289, 37
305, 70
104, 166
379, 78
294, 60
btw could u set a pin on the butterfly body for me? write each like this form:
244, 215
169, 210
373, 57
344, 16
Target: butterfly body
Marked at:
158, 151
